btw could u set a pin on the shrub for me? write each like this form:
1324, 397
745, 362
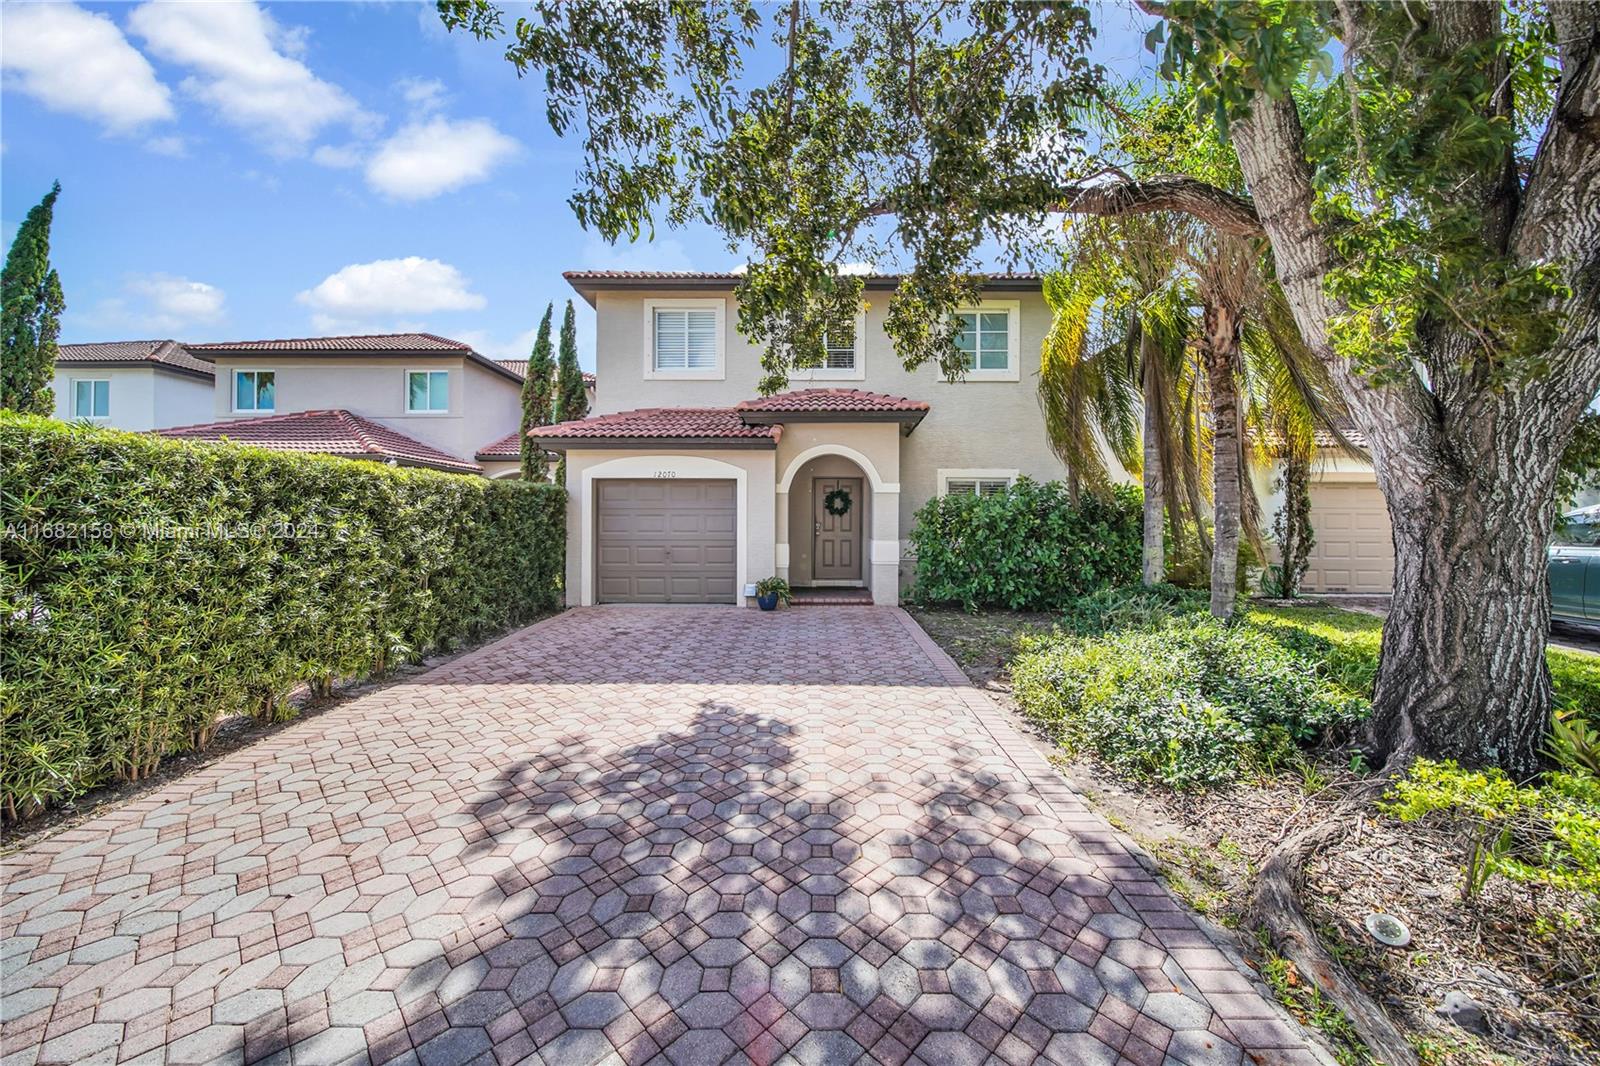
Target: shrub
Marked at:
1137, 607
1542, 834
1190, 704
1027, 548
150, 587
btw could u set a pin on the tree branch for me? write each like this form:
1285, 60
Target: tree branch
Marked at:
1226, 212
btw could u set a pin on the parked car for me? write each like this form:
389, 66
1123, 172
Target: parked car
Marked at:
1575, 569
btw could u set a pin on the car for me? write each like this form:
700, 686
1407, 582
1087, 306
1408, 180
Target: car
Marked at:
1575, 569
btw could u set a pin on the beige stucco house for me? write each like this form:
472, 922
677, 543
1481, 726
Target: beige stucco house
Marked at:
132, 385
686, 486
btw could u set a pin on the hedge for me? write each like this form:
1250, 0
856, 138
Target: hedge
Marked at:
1030, 547
149, 588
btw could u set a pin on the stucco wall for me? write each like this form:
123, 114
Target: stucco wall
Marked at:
483, 405
141, 398
972, 424
757, 508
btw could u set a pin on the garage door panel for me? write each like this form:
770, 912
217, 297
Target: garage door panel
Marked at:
1354, 551
665, 541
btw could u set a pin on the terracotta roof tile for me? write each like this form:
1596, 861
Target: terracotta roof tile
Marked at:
168, 353
519, 367
674, 423
833, 401
728, 275
507, 447
371, 342
327, 433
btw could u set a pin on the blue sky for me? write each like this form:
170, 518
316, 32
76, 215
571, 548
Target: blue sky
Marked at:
241, 170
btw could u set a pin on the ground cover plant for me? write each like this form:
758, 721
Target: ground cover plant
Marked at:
150, 588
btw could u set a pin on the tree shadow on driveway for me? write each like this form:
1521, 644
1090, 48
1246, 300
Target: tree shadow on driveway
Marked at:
746, 889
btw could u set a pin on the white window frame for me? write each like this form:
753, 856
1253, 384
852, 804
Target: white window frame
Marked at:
72, 399
1013, 310
233, 390
716, 373
856, 373
449, 387
976, 476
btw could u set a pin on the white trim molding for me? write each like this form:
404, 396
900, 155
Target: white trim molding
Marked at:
449, 387
233, 390
1013, 371
72, 399
885, 551
844, 451
994, 474
653, 466
717, 304
856, 373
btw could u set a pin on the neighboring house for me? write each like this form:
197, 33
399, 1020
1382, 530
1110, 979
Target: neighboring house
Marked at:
413, 399
133, 385
686, 486
519, 367
503, 458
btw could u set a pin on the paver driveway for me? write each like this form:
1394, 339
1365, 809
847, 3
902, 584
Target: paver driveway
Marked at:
625, 833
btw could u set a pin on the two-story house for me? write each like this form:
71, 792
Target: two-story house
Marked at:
132, 385
685, 485
411, 399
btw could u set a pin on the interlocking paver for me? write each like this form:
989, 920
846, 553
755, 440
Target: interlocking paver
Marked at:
625, 835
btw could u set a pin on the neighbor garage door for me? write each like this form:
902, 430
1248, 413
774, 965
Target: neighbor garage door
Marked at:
1353, 552
665, 541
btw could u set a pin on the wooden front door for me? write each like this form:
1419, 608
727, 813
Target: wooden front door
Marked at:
836, 551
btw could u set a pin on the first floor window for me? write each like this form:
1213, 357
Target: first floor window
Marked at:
91, 399
254, 390
685, 339
985, 339
428, 390
976, 486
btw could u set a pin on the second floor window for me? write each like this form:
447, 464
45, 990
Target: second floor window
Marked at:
685, 339
985, 339
427, 390
91, 399
840, 346
255, 390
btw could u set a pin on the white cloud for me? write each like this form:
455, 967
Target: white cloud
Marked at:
80, 63
176, 147
484, 343
160, 303
244, 70
424, 94
338, 157
433, 156
368, 292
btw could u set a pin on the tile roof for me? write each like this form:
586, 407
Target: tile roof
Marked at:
833, 400
728, 275
507, 447
662, 423
166, 353
519, 367
371, 342
327, 433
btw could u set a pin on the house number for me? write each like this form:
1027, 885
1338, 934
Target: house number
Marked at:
666, 473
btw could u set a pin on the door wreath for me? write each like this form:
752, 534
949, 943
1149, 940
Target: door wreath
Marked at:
837, 502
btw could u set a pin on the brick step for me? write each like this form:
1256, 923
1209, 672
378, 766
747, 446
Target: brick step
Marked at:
831, 597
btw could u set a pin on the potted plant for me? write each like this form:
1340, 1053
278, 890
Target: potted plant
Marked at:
769, 590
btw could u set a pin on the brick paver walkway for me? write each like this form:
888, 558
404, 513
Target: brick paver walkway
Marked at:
625, 834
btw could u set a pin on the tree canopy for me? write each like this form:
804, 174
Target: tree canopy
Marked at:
30, 320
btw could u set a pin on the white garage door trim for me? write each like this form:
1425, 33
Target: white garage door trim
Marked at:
674, 466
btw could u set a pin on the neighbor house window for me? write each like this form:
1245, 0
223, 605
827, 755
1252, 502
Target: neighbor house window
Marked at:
985, 339
686, 339
427, 390
975, 482
255, 390
91, 398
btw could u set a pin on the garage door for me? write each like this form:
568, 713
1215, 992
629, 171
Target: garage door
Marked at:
1354, 552
665, 541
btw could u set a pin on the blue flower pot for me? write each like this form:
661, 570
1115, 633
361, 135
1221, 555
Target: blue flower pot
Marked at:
768, 602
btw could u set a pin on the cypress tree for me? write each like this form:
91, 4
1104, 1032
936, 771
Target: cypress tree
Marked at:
538, 396
30, 316
572, 402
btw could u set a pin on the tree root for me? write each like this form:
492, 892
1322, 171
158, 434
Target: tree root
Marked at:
1275, 907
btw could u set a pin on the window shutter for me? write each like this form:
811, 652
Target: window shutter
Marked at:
992, 488
961, 488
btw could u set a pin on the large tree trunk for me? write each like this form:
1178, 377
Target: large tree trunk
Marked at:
1154, 491
1221, 341
1463, 673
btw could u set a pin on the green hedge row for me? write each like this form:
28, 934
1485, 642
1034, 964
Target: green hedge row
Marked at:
151, 587
1028, 548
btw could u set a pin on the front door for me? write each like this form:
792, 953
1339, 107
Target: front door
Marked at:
836, 553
